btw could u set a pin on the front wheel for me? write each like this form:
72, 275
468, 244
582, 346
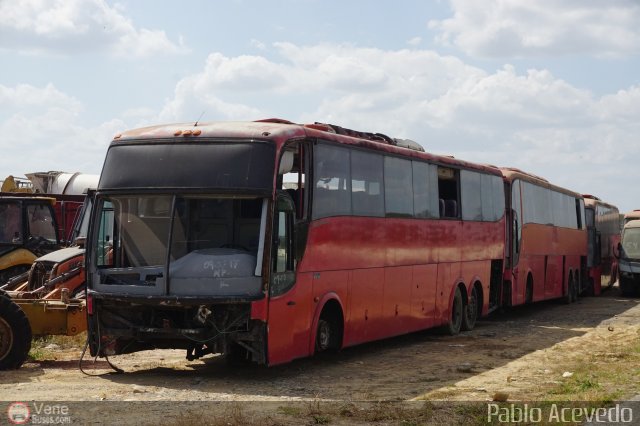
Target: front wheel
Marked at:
325, 336
457, 312
15, 334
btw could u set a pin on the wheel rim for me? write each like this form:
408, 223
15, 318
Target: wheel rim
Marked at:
324, 335
6, 338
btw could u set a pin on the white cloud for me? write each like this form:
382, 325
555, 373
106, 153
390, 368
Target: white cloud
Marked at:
505, 28
531, 119
24, 97
42, 130
69, 26
528, 119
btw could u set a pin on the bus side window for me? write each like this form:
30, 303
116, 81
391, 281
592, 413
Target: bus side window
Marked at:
448, 191
293, 171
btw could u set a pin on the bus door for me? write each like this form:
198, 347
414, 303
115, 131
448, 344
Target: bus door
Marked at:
289, 295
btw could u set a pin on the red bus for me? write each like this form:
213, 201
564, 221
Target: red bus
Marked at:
603, 228
199, 242
547, 240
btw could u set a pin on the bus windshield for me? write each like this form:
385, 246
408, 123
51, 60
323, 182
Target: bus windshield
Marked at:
208, 245
631, 243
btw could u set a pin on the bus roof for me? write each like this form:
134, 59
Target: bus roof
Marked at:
634, 214
632, 224
511, 174
280, 131
592, 201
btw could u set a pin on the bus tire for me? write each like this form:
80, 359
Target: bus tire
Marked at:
457, 312
471, 311
15, 334
568, 296
528, 295
330, 328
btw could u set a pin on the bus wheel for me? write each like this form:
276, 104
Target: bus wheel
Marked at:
457, 312
528, 296
330, 328
15, 334
568, 297
471, 311
576, 288
325, 336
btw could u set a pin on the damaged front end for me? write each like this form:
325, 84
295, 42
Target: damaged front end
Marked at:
225, 328
180, 272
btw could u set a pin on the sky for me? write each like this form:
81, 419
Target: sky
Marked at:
548, 86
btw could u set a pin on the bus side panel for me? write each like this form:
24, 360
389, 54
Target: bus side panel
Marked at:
447, 237
344, 243
411, 241
290, 322
396, 308
423, 296
365, 305
595, 273
554, 283
447, 275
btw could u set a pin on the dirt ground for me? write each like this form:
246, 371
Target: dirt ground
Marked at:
517, 352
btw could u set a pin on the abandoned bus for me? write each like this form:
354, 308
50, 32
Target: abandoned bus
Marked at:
547, 243
628, 252
603, 229
269, 241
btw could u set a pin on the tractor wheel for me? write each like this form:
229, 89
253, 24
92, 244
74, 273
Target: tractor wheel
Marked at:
15, 334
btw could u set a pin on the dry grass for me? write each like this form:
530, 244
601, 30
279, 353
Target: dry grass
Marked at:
48, 348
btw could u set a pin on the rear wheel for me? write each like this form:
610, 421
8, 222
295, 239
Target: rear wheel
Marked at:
576, 288
568, 296
471, 311
457, 312
15, 334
